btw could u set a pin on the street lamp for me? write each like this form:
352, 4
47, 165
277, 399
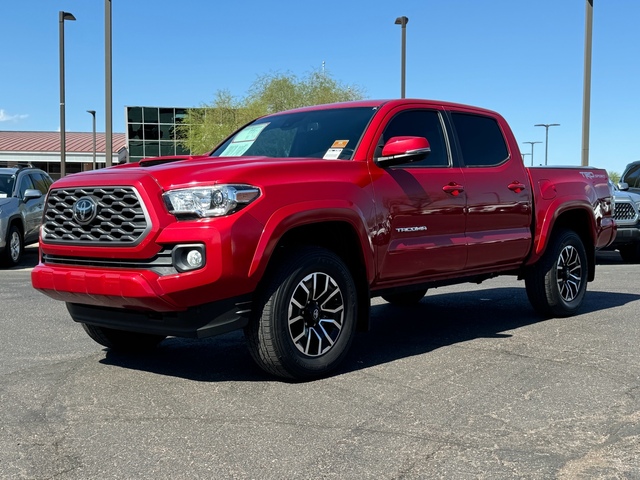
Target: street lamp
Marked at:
107, 84
62, 16
546, 142
402, 21
532, 144
586, 95
93, 114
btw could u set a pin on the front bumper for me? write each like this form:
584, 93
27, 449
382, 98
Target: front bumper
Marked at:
206, 320
141, 289
626, 235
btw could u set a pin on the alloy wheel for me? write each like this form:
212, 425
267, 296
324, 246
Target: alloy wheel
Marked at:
14, 246
316, 314
569, 273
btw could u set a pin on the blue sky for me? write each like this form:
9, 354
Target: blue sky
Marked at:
521, 58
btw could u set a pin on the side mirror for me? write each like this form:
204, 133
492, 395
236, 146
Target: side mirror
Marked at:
623, 186
399, 150
31, 193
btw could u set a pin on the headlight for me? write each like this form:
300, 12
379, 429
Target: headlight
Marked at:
214, 201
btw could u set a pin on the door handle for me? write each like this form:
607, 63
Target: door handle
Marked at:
453, 189
516, 187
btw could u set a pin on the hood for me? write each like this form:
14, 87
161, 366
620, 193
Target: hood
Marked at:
179, 172
207, 170
623, 194
5, 201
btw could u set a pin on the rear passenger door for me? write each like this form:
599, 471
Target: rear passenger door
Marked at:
497, 190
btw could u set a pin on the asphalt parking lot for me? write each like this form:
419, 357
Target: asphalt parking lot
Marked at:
468, 384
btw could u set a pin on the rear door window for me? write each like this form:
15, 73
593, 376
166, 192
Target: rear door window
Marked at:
481, 140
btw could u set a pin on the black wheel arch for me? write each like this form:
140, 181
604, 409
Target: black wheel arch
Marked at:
18, 221
340, 238
582, 223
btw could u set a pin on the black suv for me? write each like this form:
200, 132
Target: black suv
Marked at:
22, 193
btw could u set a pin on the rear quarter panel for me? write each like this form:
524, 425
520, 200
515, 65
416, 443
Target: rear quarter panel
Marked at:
559, 190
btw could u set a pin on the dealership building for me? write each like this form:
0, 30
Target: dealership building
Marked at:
150, 132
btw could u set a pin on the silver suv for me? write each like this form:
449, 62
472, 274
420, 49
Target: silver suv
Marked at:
22, 193
627, 216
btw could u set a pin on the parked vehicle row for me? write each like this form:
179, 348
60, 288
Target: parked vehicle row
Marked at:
289, 227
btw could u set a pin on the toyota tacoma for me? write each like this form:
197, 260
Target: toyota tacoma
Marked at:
291, 225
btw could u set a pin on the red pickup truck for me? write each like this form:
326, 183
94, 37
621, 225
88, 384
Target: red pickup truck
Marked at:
293, 223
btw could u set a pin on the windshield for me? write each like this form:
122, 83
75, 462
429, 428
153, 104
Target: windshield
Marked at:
329, 134
6, 185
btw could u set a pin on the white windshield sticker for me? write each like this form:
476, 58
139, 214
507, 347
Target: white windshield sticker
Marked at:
332, 154
3, 195
336, 149
243, 140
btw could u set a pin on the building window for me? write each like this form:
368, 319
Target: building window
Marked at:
151, 131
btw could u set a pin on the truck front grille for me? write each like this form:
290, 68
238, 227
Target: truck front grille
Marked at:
625, 212
110, 216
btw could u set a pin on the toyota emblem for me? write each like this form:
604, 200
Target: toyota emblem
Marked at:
85, 210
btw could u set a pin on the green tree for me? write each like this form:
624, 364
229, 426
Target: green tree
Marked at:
206, 126
614, 176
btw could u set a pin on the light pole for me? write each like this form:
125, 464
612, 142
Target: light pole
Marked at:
402, 21
62, 16
532, 144
586, 95
546, 141
93, 114
107, 83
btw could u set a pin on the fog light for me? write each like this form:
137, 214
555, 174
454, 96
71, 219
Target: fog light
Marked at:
194, 259
188, 257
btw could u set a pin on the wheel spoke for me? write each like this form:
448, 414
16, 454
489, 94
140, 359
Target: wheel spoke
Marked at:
327, 336
316, 289
335, 292
339, 308
312, 333
330, 321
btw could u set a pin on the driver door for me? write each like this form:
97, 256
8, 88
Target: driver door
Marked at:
421, 205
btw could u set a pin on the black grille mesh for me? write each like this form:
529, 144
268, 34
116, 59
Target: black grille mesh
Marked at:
120, 220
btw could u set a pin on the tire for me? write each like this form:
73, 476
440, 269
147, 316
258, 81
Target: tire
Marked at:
121, 340
556, 285
14, 247
304, 320
405, 298
630, 253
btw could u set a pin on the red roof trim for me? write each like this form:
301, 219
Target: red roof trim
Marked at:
76, 142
